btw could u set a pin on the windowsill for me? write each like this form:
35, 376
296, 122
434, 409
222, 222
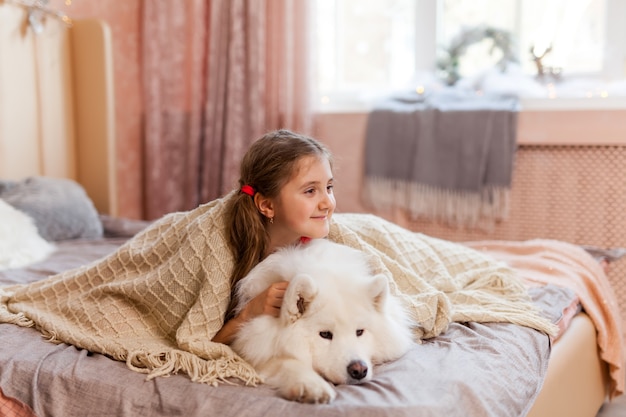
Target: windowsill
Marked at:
526, 104
568, 104
542, 122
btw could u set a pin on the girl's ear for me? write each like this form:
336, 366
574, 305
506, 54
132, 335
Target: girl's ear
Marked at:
264, 205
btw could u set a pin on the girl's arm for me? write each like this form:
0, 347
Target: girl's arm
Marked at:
228, 331
267, 302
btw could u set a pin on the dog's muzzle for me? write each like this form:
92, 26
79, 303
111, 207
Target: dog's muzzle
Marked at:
357, 370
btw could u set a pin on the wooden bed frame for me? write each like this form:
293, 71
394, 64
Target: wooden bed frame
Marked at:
57, 119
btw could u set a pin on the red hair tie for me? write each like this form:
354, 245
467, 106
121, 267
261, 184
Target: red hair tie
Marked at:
247, 189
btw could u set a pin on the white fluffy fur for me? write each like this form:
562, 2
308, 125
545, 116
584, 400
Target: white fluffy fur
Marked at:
20, 243
331, 290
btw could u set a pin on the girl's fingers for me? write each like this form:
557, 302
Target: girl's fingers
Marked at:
275, 295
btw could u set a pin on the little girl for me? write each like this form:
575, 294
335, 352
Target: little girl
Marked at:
285, 197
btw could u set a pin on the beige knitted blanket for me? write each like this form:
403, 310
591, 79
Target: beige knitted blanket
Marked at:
158, 300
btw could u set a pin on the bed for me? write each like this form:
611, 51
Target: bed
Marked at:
476, 369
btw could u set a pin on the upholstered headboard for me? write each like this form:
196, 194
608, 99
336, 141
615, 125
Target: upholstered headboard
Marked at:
56, 102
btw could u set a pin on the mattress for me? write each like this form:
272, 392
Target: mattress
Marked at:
575, 384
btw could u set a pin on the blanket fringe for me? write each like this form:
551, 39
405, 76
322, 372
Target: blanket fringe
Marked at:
481, 209
199, 370
505, 313
50, 336
8, 317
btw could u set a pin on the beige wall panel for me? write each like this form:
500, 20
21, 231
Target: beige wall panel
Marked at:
19, 114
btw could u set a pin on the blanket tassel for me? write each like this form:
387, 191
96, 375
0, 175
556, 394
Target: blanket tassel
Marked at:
199, 370
8, 317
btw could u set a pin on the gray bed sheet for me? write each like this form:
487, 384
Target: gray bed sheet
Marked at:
471, 370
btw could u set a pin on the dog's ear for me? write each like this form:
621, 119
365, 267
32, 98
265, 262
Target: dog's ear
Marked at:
379, 290
300, 292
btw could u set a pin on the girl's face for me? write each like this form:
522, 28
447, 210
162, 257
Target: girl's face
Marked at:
305, 204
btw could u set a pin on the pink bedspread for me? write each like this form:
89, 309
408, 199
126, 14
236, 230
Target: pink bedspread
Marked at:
567, 265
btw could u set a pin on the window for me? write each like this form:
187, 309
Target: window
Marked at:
573, 29
369, 48
364, 46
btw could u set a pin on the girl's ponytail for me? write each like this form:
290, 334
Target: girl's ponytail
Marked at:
247, 237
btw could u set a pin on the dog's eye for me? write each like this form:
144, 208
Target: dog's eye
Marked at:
326, 335
359, 332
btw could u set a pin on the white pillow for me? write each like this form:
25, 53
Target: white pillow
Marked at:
20, 243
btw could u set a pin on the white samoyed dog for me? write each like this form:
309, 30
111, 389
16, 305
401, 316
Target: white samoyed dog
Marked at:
337, 321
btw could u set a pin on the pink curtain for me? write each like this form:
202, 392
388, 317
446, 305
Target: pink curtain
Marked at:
216, 75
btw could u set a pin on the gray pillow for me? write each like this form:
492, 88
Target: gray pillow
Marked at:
60, 208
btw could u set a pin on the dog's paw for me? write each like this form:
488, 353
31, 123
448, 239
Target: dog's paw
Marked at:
308, 389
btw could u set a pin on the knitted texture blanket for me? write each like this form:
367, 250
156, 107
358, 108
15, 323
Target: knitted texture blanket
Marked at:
159, 299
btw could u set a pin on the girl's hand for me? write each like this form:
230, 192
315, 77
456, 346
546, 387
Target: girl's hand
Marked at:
267, 302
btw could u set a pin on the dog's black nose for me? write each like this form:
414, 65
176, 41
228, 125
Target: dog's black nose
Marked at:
357, 370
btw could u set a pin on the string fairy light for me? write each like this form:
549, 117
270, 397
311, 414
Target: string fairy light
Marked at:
38, 10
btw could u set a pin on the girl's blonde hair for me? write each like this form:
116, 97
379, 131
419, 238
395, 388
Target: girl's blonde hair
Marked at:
269, 164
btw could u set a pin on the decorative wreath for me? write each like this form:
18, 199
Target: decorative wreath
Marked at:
448, 64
